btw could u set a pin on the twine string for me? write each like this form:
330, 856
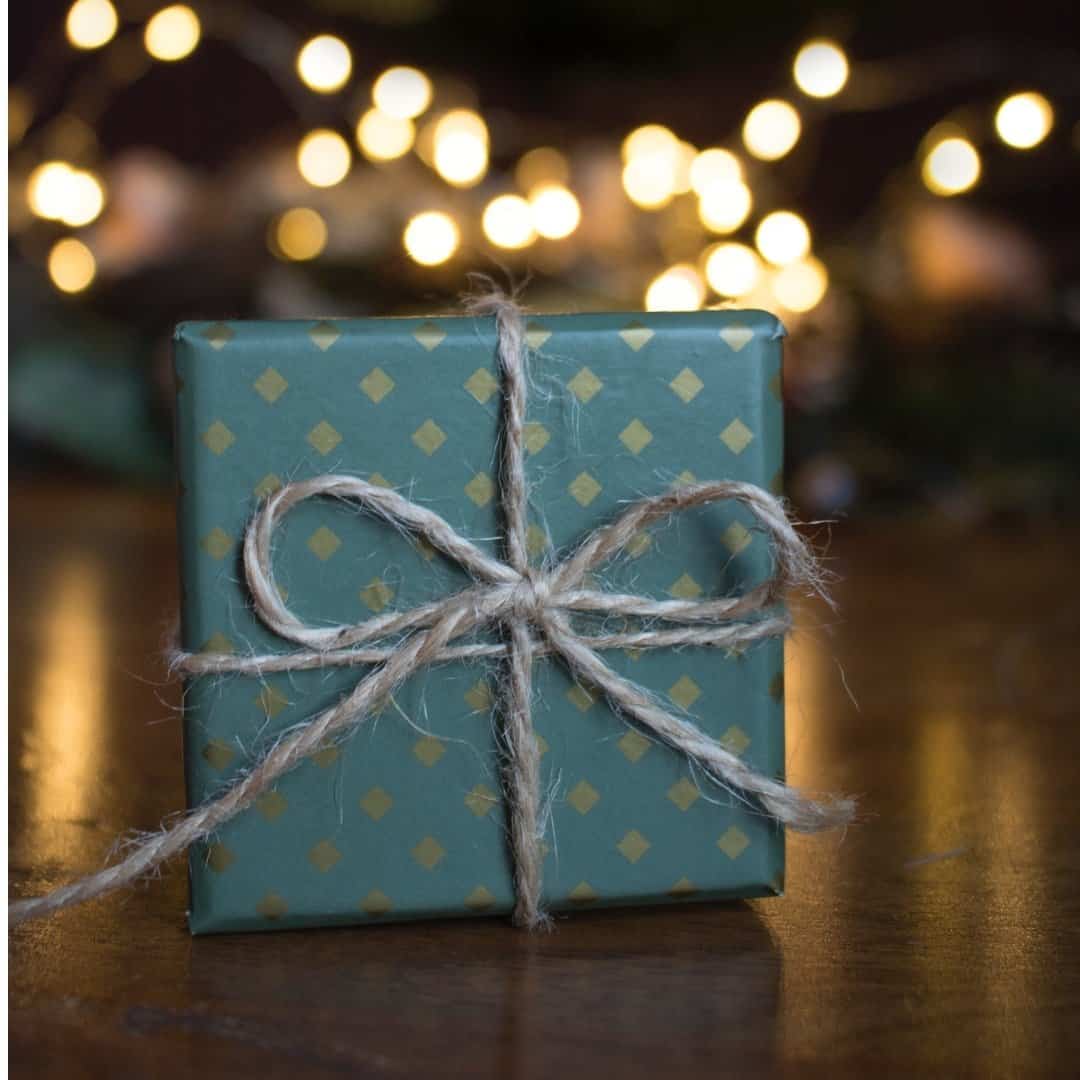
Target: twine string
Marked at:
532, 606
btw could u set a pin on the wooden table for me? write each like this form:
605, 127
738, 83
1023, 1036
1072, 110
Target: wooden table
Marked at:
939, 935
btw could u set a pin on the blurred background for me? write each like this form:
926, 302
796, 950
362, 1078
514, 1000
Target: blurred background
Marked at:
897, 182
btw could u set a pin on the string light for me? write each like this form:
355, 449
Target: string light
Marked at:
84, 199
556, 213
654, 161
383, 137
46, 190
543, 165
461, 148
507, 222
714, 167
71, 265
951, 167
782, 237
771, 129
172, 33
299, 234
725, 205
91, 24
821, 69
1024, 120
732, 269
651, 140
800, 286
431, 238
679, 288
324, 64
323, 158
402, 92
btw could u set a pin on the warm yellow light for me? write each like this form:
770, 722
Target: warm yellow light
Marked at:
544, 165
732, 269
431, 237
508, 223
951, 167
724, 205
300, 234
46, 190
402, 92
652, 140
821, 68
714, 166
782, 237
1024, 120
650, 181
91, 23
800, 286
71, 265
771, 130
323, 158
83, 198
172, 33
679, 288
324, 64
556, 213
383, 137
461, 148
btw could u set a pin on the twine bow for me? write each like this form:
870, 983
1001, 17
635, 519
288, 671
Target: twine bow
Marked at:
532, 606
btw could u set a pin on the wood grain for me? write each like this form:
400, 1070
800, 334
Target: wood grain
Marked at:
937, 936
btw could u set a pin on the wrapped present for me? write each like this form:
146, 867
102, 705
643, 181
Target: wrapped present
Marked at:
405, 816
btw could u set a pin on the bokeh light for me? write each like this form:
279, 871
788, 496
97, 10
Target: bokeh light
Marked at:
543, 165
71, 265
299, 234
383, 137
771, 129
172, 33
800, 286
1024, 120
461, 148
782, 237
714, 167
656, 166
431, 238
91, 23
84, 199
679, 288
732, 269
952, 166
46, 189
725, 205
323, 158
821, 68
324, 64
556, 213
508, 223
402, 92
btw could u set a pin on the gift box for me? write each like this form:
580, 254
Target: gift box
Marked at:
405, 817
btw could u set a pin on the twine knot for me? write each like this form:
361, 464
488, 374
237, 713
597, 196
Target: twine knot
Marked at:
534, 608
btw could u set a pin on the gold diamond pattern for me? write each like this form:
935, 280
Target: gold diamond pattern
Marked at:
270, 483
633, 746
636, 336
737, 337
581, 698
635, 436
217, 754
686, 385
219, 335
324, 334
686, 588
736, 537
582, 893
584, 488
218, 438
272, 805
217, 642
735, 739
536, 540
376, 384
270, 385
639, 543
481, 800
324, 856
376, 594
429, 853
429, 437
536, 335
429, 750
583, 797
633, 846
219, 858
682, 889
216, 543
272, 906
377, 803
536, 437
324, 437
326, 757
379, 480
479, 697
481, 384
376, 903
685, 692
480, 899
683, 794
271, 700
736, 436
734, 842
684, 478
585, 385
323, 542
429, 335
480, 489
